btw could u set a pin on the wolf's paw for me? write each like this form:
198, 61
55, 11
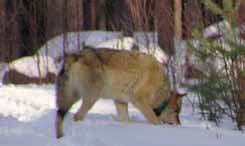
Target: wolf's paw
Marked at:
59, 134
77, 118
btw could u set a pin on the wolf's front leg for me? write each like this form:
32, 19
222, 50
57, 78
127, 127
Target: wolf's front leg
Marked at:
147, 112
83, 110
122, 111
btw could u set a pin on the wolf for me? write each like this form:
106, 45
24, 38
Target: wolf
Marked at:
122, 76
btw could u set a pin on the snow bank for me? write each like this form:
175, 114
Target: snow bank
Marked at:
73, 42
31, 69
147, 42
145, 38
31, 65
124, 43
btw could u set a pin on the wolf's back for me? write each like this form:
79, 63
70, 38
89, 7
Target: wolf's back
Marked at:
119, 60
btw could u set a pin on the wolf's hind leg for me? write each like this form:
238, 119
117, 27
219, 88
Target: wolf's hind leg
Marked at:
122, 111
87, 103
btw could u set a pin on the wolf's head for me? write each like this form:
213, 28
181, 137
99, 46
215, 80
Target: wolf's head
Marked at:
169, 110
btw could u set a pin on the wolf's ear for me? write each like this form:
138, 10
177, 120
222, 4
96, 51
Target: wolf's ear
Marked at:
177, 94
181, 94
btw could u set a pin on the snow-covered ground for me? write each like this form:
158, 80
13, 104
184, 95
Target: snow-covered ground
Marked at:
27, 114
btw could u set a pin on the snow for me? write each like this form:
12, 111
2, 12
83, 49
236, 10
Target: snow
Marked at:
27, 115
25, 102
74, 42
34, 66
128, 43
218, 29
125, 43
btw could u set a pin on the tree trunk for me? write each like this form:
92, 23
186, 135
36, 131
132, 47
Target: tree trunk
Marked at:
242, 12
242, 22
35, 19
102, 18
75, 15
241, 17
10, 32
193, 17
166, 32
178, 19
54, 18
41, 22
165, 26
93, 14
241, 102
192, 20
2, 24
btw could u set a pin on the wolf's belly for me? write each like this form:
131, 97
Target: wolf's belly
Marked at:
117, 93
122, 91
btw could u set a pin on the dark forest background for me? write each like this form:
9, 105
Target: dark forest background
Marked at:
25, 25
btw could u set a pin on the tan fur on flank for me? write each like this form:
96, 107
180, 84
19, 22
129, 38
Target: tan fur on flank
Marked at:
119, 75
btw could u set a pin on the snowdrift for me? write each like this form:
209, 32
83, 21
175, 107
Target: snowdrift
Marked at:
31, 69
